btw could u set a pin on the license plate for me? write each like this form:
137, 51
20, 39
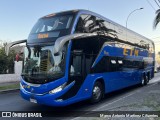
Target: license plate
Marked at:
33, 100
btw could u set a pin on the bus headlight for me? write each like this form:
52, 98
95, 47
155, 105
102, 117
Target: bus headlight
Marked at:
58, 89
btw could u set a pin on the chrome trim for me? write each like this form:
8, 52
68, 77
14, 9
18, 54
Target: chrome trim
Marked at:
62, 40
21, 87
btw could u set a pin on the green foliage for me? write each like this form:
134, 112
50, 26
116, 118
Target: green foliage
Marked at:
157, 19
6, 62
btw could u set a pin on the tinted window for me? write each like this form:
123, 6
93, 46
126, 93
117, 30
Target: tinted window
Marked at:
87, 24
52, 24
101, 66
133, 64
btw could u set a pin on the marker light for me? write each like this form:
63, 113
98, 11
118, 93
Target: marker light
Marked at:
58, 89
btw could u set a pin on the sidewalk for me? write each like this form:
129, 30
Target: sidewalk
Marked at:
147, 99
144, 99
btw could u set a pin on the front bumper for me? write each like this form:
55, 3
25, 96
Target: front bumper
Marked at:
47, 98
41, 94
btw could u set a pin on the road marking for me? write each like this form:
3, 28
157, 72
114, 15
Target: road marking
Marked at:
106, 105
113, 102
133, 92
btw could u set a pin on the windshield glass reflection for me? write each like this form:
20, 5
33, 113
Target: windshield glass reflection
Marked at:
41, 65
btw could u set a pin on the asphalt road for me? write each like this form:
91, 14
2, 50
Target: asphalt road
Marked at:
12, 101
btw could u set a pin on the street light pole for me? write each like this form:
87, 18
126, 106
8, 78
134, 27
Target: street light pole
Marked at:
131, 13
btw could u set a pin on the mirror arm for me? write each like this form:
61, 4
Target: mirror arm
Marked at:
60, 42
9, 45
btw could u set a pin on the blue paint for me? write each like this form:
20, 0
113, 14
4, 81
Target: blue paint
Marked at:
112, 80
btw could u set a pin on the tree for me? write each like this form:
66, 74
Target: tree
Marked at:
6, 62
157, 19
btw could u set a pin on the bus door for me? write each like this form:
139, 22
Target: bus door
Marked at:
76, 70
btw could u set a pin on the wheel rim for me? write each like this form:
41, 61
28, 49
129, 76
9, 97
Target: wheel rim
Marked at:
143, 81
147, 79
96, 92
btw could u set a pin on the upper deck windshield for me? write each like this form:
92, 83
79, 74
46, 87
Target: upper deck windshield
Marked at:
55, 23
42, 66
49, 28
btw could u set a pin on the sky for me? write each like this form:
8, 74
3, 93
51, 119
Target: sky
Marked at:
17, 17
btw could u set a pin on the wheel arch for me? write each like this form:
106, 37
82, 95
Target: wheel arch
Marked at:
101, 80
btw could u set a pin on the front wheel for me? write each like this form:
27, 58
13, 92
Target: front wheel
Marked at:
97, 92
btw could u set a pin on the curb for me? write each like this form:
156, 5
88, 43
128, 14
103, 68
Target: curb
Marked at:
9, 90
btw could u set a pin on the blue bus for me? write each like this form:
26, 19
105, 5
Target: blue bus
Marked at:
77, 55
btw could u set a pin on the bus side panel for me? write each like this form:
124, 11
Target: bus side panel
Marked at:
113, 81
118, 80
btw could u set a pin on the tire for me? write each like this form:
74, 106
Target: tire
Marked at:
146, 80
142, 81
97, 92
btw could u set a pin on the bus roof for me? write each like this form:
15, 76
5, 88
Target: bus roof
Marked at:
82, 11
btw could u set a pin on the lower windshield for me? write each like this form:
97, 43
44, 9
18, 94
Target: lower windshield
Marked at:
41, 65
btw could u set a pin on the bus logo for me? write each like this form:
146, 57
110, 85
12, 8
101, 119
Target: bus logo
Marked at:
130, 52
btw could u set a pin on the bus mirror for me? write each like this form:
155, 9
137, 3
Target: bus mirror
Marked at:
9, 45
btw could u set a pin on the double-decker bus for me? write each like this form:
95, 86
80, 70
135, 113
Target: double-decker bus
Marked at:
76, 55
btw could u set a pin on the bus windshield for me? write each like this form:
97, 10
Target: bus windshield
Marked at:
41, 65
54, 23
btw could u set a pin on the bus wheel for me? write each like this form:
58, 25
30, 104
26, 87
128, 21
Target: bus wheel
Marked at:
146, 80
142, 81
97, 92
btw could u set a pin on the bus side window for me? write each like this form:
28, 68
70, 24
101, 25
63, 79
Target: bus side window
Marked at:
113, 65
88, 61
128, 64
136, 64
86, 24
102, 66
120, 64
80, 25
141, 65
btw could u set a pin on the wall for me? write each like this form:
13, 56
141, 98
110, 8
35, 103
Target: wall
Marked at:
12, 77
